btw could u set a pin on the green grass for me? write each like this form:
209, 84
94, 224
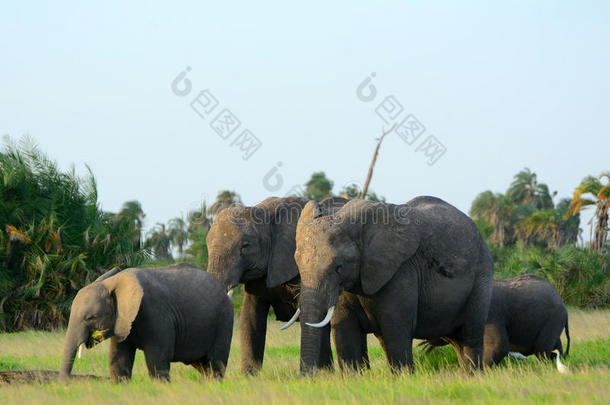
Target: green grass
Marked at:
438, 378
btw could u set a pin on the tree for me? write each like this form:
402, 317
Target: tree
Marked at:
593, 192
495, 209
159, 241
569, 228
525, 189
178, 234
318, 187
225, 199
132, 213
198, 226
352, 191
369, 175
542, 224
54, 238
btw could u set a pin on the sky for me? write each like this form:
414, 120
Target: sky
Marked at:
478, 90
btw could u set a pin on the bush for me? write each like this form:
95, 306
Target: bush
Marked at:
581, 277
54, 238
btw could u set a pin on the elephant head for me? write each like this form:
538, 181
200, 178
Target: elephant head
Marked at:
107, 307
359, 248
247, 243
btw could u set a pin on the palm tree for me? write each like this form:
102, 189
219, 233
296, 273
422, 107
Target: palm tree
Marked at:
593, 192
543, 225
132, 213
178, 233
159, 241
494, 208
225, 199
525, 189
54, 238
569, 227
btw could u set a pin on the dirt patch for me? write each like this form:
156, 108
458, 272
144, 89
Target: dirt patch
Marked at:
37, 376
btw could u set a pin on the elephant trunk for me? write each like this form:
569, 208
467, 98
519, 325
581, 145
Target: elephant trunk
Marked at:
227, 272
75, 336
314, 307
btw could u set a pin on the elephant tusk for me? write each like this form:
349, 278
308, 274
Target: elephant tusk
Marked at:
325, 321
230, 292
292, 320
81, 348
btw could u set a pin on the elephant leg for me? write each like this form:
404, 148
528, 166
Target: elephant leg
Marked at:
398, 348
209, 368
496, 344
120, 357
219, 355
326, 354
547, 338
158, 363
203, 366
395, 309
473, 328
252, 331
350, 342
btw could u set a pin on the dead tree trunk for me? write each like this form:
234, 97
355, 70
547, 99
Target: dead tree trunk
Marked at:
365, 188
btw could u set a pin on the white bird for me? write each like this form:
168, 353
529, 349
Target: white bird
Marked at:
562, 368
517, 355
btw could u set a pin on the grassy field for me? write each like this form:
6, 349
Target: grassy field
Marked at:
437, 379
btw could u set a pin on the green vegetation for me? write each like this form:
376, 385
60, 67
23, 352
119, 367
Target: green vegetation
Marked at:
581, 277
525, 213
437, 378
318, 187
54, 238
592, 192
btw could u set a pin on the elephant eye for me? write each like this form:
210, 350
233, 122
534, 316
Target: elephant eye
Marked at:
244, 247
338, 268
89, 317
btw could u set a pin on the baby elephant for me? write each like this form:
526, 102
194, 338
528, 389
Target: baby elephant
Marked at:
175, 313
526, 316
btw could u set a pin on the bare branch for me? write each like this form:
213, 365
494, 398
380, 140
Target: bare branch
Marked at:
365, 189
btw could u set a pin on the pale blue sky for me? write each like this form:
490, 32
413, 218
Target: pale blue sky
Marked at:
502, 86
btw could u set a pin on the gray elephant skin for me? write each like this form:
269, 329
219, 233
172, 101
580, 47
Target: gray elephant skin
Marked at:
418, 270
526, 315
255, 246
175, 313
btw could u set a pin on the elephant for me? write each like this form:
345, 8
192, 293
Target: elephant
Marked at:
418, 270
175, 313
255, 246
526, 316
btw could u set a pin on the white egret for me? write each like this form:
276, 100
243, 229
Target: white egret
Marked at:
562, 368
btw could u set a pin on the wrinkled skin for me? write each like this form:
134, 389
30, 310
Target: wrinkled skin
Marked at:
526, 315
417, 270
255, 246
175, 313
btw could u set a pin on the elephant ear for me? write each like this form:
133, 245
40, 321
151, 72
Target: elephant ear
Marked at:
282, 266
108, 274
128, 294
388, 240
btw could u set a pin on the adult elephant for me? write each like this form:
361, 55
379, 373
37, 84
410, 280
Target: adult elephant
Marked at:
255, 246
419, 270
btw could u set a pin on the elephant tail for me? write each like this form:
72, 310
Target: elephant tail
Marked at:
431, 344
568, 337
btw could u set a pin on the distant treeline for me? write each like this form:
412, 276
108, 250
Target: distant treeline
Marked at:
54, 238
